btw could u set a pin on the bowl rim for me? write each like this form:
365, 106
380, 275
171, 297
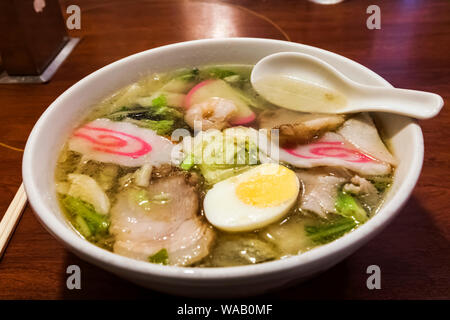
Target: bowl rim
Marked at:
101, 257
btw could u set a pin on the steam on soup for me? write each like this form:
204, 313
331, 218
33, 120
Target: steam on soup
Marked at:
193, 168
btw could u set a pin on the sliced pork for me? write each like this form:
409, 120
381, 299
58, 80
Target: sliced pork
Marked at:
298, 127
365, 191
165, 217
363, 134
319, 189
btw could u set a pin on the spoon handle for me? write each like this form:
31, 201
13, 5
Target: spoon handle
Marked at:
413, 103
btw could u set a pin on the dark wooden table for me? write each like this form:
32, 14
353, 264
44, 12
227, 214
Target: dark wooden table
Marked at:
411, 50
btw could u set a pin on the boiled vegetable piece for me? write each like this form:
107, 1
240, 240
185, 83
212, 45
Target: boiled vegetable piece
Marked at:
242, 249
62, 187
214, 174
159, 101
220, 155
128, 95
81, 225
163, 99
188, 162
381, 183
329, 231
183, 82
143, 175
180, 84
220, 73
87, 189
67, 162
162, 127
156, 115
219, 88
107, 175
233, 146
160, 112
289, 235
349, 207
161, 257
232, 78
84, 215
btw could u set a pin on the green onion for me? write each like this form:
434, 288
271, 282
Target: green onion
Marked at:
85, 217
349, 207
161, 101
161, 257
188, 162
330, 231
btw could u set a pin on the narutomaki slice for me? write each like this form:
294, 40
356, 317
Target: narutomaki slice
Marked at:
363, 134
333, 150
121, 143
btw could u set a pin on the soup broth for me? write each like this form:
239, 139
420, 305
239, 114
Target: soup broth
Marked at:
172, 170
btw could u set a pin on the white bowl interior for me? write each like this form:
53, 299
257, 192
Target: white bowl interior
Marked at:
57, 122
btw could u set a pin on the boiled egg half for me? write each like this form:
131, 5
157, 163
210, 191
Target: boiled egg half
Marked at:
252, 199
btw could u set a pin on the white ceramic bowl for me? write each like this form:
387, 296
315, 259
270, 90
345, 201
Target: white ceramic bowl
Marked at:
59, 119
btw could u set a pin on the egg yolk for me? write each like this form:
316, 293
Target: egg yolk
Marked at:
268, 190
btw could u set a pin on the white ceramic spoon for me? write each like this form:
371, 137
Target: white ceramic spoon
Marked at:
302, 82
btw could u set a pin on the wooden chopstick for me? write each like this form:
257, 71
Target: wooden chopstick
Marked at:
11, 218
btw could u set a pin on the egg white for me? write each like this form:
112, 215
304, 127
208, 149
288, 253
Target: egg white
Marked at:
227, 212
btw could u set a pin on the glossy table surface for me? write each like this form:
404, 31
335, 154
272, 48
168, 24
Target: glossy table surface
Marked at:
410, 50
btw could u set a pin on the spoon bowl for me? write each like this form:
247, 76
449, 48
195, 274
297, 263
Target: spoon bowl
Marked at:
305, 83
